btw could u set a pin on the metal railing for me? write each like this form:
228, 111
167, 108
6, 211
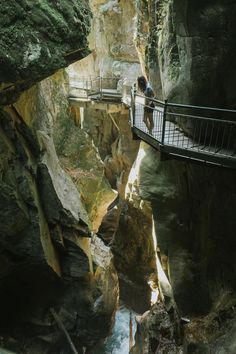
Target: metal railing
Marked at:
86, 87
194, 132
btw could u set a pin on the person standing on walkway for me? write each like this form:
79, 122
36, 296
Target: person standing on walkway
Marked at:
145, 88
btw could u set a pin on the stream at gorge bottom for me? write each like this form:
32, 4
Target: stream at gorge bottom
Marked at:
118, 341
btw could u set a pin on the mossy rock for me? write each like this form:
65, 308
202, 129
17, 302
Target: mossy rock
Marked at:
37, 38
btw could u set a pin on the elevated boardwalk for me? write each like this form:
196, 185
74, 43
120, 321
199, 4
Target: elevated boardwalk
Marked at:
98, 92
202, 134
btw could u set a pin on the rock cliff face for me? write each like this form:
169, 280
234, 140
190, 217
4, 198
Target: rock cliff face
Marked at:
111, 39
158, 326
125, 224
113, 55
45, 240
187, 49
49, 263
61, 168
37, 39
111, 42
185, 43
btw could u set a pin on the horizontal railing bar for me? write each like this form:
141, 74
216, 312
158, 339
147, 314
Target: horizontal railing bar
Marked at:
95, 77
166, 137
201, 107
94, 93
201, 117
151, 99
169, 104
80, 88
157, 109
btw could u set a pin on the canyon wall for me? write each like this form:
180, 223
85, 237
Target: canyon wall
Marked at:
70, 172
37, 39
111, 42
126, 226
189, 49
54, 269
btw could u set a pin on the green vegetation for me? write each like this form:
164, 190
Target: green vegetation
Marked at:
36, 37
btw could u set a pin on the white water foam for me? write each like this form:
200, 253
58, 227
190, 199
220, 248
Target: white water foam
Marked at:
118, 342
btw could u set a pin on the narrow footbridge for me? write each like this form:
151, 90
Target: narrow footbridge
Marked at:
102, 93
96, 89
202, 134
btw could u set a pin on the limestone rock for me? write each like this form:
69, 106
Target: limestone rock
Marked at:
60, 197
188, 52
111, 42
37, 39
45, 239
156, 333
80, 159
102, 255
217, 329
112, 135
184, 45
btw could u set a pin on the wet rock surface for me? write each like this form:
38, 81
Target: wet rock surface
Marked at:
156, 332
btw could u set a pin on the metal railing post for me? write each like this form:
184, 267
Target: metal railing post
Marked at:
86, 87
132, 106
133, 98
164, 122
91, 85
100, 86
135, 91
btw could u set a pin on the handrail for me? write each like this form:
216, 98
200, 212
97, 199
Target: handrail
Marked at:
179, 129
153, 99
94, 86
189, 136
179, 105
201, 117
168, 104
89, 78
201, 107
101, 79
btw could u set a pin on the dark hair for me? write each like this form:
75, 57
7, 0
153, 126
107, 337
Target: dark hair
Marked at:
142, 83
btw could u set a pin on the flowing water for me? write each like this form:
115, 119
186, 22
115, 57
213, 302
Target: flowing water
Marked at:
118, 341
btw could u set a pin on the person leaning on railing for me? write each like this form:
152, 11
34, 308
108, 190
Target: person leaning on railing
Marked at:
146, 89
